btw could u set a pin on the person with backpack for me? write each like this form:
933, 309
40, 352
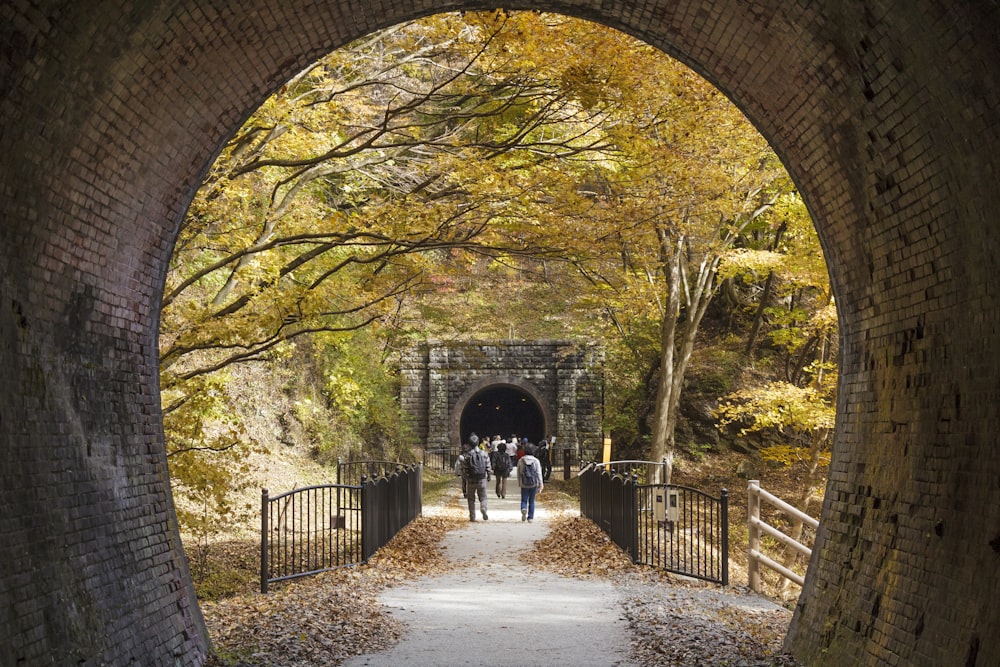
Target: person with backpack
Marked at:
477, 474
545, 458
529, 477
460, 468
501, 468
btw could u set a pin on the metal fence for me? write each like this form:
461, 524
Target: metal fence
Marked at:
388, 504
644, 472
684, 530
352, 472
440, 459
318, 528
309, 530
675, 528
609, 500
566, 460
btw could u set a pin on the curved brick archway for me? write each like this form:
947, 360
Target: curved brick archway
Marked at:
884, 113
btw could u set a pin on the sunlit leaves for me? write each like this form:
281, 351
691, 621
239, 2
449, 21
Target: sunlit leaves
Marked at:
479, 175
786, 455
780, 406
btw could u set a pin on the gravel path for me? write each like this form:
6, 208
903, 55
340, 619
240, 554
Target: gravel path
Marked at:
492, 610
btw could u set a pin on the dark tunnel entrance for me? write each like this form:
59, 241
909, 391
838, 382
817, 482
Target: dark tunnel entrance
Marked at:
502, 410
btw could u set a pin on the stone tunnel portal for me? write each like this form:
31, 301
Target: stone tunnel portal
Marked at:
533, 388
503, 410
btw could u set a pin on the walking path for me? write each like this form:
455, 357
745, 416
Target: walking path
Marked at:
494, 610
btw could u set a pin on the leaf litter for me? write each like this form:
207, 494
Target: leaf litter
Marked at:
673, 620
324, 620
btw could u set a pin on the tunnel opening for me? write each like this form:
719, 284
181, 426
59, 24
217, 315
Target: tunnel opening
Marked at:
883, 152
502, 410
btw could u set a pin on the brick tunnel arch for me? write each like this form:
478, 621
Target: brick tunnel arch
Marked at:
885, 115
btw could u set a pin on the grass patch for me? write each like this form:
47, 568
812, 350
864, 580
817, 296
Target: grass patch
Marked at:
436, 485
562, 493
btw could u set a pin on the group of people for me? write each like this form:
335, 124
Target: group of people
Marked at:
482, 459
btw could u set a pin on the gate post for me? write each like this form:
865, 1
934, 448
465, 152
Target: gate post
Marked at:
724, 511
633, 518
585, 486
339, 490
263, 540
368, 522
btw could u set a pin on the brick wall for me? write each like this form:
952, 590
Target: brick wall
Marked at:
885, 114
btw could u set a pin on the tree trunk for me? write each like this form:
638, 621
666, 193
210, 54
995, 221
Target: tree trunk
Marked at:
758, 318
665, 419
765, 297
677, 339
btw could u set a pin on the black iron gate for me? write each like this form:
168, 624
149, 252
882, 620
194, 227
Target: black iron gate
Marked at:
318, 528
683, 530
309, 530
675, 528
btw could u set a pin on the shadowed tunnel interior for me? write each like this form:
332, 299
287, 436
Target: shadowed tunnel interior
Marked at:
503, 411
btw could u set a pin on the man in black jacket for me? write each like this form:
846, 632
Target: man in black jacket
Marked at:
477, 474
542, 453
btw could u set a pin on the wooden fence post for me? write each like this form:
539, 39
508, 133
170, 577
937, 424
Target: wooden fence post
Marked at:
753, 548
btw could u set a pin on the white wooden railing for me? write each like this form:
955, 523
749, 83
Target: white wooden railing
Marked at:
755, 495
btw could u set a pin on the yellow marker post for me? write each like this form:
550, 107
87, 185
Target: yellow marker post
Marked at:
607, 449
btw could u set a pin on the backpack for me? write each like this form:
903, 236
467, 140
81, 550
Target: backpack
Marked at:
501, 464
529, 476
476, 464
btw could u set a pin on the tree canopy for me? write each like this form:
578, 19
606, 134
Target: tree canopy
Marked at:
479, 175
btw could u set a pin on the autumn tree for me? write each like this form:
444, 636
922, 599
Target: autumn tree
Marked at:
401, 185
691, 179
797, 408
805, 416
374, 174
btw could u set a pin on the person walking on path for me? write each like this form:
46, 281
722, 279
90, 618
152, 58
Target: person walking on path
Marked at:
544, 456
460, 468
501, 468
529, 477
477, 474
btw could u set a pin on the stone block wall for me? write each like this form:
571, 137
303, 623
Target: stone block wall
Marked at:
566, 379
